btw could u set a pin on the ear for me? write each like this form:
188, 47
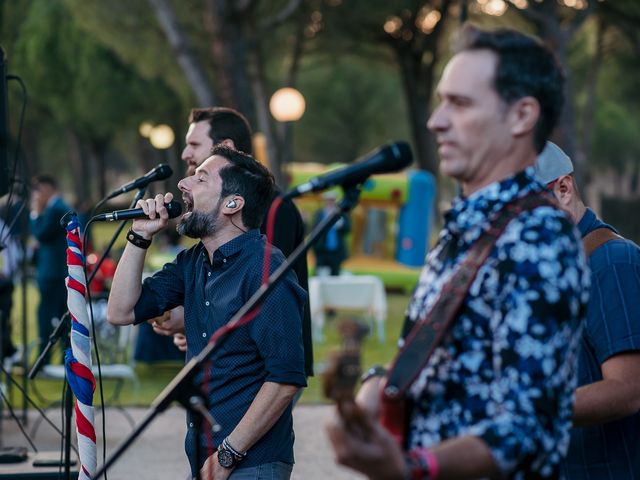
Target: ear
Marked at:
227, 142
523, 116
564, 191
232, 204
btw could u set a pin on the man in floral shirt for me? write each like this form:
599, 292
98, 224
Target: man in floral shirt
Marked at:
495, 398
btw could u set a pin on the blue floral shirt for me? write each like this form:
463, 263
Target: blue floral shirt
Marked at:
506, 371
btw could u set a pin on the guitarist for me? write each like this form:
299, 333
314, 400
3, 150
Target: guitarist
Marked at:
605, 440
492, 395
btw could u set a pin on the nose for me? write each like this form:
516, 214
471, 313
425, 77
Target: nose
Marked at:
437, 121
186, 154
183, 184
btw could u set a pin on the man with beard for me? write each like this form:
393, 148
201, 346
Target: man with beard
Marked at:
226, 126
254, 376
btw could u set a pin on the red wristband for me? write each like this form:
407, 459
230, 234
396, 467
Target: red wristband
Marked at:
422, 464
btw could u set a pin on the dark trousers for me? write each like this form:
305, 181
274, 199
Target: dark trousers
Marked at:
329, 259
6, 302
53, 304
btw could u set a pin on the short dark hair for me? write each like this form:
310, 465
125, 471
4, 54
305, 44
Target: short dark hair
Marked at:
526, 68
248, 178
225, 123
45, 179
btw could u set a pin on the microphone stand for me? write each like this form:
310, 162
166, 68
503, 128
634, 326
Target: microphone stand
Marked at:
183, 388
60, 330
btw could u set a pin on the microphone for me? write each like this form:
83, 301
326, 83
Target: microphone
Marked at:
173, 207
161, 172
386, 159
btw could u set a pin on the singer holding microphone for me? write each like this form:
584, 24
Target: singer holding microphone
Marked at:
254, 376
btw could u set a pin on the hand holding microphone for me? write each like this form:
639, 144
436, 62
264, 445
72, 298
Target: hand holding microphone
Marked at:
151, 216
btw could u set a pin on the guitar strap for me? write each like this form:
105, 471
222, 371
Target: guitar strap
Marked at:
429, 332
598, 237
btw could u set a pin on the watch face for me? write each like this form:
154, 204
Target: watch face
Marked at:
225, 458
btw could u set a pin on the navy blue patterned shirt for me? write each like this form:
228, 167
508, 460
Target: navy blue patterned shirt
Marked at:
611, 450
506, 371
267, 349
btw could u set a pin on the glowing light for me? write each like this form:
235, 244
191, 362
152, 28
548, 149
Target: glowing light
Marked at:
427, 19
392, 25
162, 136
494, 7
145, 129
287, 105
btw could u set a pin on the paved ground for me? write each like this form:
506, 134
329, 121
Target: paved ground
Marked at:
158, 453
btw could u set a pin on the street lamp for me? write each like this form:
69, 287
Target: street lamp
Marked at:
161, 136
287, 105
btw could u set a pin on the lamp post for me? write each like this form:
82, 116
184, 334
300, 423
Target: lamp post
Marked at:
287, 105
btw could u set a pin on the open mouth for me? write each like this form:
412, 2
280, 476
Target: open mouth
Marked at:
188, 205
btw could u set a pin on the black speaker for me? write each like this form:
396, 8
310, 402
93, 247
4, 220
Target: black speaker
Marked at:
4, 126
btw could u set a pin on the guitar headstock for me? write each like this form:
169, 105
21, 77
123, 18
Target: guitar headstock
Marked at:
343, 371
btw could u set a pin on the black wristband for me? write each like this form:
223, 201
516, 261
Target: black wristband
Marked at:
138, 240
375, 371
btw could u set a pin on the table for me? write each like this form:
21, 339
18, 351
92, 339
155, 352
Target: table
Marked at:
355, 292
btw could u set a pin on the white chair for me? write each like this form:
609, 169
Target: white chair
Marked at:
115, 349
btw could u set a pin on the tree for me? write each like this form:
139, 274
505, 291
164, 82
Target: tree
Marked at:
411, 30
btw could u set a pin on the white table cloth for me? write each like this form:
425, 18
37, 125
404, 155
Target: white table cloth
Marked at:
356, 292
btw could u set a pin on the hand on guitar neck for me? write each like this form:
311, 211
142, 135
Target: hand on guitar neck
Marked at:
341, 377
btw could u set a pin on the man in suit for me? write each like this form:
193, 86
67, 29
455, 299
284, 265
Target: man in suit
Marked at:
331, 250
47, 207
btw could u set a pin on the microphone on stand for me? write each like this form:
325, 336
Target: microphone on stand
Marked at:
386, 159
161, 172
173, 207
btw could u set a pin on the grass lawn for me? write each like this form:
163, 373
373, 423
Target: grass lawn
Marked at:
154, 377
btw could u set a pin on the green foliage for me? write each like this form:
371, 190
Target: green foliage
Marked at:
79, 82
349, 110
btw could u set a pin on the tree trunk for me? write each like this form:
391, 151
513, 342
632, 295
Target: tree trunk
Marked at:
592, 91
185, 55
229, 57
81, 177
418, 104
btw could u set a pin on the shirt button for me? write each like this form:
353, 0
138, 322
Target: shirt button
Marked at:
224, 260
209, 274
207, 303
204, 334
190, 424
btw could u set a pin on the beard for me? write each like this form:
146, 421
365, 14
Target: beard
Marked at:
199, 224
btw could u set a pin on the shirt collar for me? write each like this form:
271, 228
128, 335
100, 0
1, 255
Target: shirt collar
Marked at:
473, 212
590, 222
232, 247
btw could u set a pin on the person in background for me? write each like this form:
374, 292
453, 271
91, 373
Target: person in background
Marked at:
47, 208
331, 249
605, 439
9, 262
492, 398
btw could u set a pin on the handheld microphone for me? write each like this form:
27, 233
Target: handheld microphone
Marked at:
173, 207
161, 172
386, 159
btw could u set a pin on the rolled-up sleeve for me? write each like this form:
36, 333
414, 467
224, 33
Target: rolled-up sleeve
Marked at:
162, 291
277, 332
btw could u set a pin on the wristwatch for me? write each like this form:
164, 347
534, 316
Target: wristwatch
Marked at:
229, 457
